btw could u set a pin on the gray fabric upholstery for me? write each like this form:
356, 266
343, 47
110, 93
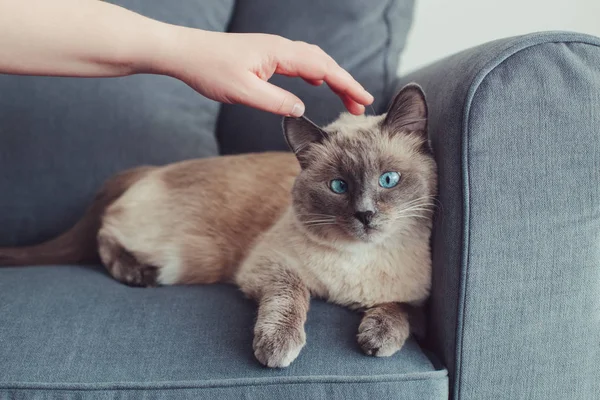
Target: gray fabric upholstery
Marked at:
79, 333
515, 308
365, 37
60, 138
515, 125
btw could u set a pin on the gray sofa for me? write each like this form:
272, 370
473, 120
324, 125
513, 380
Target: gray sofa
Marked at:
515, 306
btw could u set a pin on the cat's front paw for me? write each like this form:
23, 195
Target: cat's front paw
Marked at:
276, 346
381, 336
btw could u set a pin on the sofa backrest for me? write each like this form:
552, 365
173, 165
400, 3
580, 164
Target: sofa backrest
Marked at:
60, 138
365, 37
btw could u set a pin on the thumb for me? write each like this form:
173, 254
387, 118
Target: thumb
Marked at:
268, 97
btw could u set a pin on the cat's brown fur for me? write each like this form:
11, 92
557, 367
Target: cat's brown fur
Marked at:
214, 208
232, 219
197, 219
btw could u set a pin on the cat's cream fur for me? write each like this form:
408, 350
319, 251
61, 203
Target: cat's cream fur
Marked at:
231, 219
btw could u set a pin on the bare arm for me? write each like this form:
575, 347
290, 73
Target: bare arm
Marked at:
90, 38
75, 38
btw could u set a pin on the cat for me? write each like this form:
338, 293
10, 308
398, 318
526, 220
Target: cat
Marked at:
346, 216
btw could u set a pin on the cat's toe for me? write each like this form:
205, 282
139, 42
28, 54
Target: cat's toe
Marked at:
380, 337
124, 266
277, 346
141, 276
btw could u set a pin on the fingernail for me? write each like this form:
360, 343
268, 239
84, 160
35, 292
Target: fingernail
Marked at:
297, 110
370, 96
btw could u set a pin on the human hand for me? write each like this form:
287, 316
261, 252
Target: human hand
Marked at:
235, 68
95, 38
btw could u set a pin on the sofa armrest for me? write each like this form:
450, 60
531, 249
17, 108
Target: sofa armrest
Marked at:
515, 306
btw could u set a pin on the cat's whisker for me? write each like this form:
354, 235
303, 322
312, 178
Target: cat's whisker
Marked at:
315, 214
413, 211
418, 207
319, 221
413, 216
424, 205
434, 201
373, 109
320, 224
416, 211
319, 218
419, 214
438, 203
419, 199
429, 196
418, 203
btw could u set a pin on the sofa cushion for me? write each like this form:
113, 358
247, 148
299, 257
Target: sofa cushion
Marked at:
70, 331
60, 137
365, 37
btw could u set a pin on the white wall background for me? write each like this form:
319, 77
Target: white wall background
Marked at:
444, 27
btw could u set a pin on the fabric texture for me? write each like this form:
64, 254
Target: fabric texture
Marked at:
78, 332
365, 37
60, 138
515, 308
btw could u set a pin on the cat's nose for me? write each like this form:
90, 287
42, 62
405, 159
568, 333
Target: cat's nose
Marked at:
364, 216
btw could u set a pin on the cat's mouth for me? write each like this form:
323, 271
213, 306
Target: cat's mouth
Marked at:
366, 233
348, 229
369, 229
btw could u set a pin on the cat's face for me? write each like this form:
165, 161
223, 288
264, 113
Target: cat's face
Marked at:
364, 177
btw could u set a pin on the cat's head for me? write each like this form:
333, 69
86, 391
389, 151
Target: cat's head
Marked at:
364, 177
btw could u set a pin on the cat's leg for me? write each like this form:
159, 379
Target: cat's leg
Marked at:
384, 329
124, 266
283, 301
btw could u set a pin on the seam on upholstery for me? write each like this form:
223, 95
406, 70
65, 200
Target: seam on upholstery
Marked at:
419, 376
520, 44
232, 13
388, 44
389, 76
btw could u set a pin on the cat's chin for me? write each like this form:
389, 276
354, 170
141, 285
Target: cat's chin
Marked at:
345, 234
355, 234
370, 235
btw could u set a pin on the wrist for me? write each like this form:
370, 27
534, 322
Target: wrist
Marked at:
143, 51
168, 48
125, 42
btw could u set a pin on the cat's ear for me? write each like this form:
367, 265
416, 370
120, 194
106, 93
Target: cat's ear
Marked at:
408, 111
299, 134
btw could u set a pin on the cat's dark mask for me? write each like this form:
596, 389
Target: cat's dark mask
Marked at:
362, 174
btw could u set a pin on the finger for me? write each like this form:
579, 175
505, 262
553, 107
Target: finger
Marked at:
341, 82
268, 97
314, 82
352, 106
310, 62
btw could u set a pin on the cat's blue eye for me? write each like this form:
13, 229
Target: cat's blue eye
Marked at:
389, 179
338, 186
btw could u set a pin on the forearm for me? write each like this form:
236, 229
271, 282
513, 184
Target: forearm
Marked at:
86, 38
91, 38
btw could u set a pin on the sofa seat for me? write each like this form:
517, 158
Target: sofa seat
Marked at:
66, 331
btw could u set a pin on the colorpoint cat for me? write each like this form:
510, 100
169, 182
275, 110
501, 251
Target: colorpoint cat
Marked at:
347, 217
